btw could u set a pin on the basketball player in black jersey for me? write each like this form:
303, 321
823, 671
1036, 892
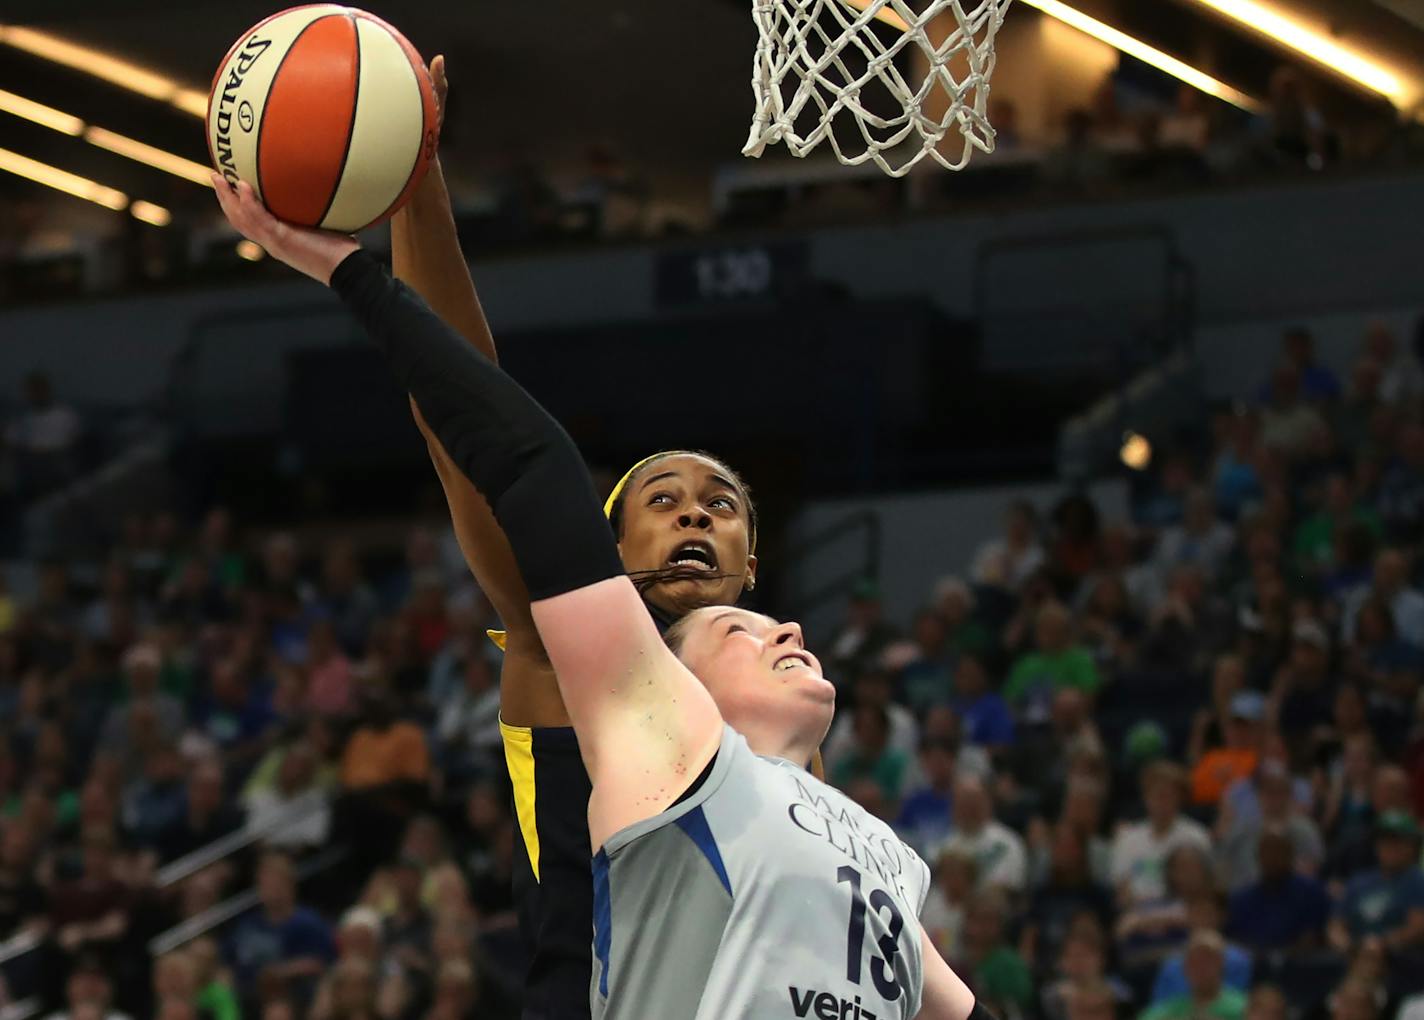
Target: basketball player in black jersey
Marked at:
687, 536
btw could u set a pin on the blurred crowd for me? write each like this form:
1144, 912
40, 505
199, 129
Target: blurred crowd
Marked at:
1165, 767
1172, 766
252, 779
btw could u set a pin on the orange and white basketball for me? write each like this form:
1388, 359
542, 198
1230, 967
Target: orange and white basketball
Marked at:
328, 112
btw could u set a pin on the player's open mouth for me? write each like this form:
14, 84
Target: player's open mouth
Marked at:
791, 660
695, 555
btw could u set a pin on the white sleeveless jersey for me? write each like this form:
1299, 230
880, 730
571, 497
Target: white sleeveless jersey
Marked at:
764, 895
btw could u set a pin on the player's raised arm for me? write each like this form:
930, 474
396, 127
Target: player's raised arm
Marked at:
637, 710
425, 252
619, 681
425, 248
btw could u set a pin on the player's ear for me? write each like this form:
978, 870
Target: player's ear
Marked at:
751, 573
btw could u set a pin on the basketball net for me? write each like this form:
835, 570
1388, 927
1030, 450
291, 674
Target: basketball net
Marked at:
823, 62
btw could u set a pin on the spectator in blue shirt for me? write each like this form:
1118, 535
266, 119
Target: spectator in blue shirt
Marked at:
1203, 914
281, 942
924, 820
984, 714
207, 815
236, 713
924, 677
1283, 910
1386, 903
155, 801
1318, 383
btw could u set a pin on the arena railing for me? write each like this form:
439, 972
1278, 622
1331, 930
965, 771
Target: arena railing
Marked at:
863, 525
1116, 298
234, 906
219, 849
225, 846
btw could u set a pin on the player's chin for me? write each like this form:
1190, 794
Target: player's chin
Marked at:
807, 681
711, 590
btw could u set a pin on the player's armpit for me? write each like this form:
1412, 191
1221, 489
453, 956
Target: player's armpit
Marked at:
646, 726
528, 687
945, 995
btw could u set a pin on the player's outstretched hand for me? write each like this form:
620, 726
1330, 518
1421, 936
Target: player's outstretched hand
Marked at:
316, 253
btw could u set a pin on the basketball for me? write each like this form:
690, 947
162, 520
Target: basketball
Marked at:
327, 112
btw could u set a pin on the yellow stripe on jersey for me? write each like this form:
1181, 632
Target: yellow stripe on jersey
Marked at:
519, 758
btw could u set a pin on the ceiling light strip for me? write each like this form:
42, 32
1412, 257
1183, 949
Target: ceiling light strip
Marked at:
1318, 47
62, 180
150, 213
130, 148
82, 187
1140, 50
102, 65
48, 116
154, 157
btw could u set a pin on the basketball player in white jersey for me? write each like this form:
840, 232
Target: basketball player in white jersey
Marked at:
728, 882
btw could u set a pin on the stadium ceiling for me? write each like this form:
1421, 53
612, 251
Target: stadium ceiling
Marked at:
1411, 11
670, 93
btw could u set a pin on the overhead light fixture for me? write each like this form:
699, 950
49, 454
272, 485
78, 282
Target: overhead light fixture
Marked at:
48, 116
102, 65
1140, 50
1321, 48
154, 157
82, 187
191, 101
131, 148
62, 180
1136, 452
150, 213
250, 251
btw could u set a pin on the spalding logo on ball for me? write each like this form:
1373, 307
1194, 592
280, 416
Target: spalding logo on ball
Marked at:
328, 112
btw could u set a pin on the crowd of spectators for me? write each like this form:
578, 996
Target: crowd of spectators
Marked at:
1166, 767
1172, 766
196, 719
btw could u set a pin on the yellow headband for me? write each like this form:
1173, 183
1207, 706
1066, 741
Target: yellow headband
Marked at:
612, 499
498, 636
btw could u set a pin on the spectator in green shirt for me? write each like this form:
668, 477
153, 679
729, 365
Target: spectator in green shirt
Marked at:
1314, 542
998, 975
1207, 994
1055, 663
216, 997
954, 601
871, 756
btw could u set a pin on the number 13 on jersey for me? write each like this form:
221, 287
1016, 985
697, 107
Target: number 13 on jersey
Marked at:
887, 946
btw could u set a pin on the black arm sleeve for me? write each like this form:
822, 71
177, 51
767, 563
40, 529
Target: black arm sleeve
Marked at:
515, 453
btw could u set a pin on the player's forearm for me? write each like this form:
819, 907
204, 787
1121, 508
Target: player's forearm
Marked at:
510, 448
482, 542
425, 254
944, 996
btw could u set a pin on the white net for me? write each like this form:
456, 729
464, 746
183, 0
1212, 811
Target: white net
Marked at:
878, 80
